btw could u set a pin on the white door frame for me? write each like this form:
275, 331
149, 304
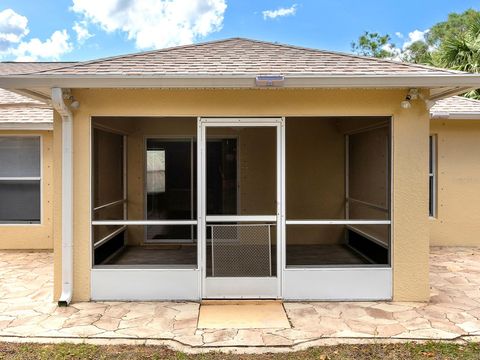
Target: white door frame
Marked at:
244, 287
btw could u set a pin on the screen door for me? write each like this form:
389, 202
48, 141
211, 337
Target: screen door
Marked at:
240, 206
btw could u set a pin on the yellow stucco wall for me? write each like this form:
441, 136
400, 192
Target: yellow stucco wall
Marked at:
34, 236
410, 143
457, 219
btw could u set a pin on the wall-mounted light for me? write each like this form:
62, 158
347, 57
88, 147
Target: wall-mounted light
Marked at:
75, 104
411, 95
269, 80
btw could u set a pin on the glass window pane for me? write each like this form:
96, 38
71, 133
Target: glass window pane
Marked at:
19, 156
20, 201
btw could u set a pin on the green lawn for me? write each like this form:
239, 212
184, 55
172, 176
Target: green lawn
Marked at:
431, 350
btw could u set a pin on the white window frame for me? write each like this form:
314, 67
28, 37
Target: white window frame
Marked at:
27, 178
432, 175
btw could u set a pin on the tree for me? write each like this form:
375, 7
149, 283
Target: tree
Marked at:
418, 53
373, 44
461, 51
455, 25
452, 44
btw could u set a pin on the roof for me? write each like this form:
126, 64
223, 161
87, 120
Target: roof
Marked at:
456, 107
21, 112
235, 63
11, 67
241, 57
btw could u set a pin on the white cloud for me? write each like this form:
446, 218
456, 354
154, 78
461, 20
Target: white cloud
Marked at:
399, 35
13, 27
82, 32
273, 14
35, 49
155, 23
414, 36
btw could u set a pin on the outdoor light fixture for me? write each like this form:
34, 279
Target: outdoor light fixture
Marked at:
75, 104
269, 80
412, 95
67, 95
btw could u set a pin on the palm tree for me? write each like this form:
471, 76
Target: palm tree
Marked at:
461, 52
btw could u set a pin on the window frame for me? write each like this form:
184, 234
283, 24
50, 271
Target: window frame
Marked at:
27, 178
432, 175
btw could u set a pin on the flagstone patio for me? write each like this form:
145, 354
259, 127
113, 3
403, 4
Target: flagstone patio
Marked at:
27, 312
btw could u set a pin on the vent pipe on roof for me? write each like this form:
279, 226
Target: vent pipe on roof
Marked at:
67, 195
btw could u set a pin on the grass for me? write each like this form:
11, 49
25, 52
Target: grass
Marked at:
429, 350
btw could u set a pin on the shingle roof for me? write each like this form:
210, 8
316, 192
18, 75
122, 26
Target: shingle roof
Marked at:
18, 110
9, 97
456, 107
457, 104
238, 56
16, 68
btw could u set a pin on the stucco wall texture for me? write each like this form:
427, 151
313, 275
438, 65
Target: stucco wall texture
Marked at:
34, 236
457, 218
410, 159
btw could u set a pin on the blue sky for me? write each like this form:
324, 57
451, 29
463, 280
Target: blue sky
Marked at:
86, 29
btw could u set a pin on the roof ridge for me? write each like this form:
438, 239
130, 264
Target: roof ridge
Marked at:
141, 53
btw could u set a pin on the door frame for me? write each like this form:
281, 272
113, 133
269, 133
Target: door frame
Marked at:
245, 287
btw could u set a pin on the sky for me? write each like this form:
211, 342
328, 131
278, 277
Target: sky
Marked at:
67, 30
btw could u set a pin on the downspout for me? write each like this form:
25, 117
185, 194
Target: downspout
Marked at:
67, 196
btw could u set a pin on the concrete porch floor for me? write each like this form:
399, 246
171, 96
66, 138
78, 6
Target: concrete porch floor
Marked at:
27, 313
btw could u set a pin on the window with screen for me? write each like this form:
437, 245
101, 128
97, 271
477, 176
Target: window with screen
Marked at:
20, 179
432, 176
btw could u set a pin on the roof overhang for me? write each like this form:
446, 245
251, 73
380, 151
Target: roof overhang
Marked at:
447, 84
26, 126
467, 115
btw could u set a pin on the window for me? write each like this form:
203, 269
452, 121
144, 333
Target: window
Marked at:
432, 178
20, 178
155, 171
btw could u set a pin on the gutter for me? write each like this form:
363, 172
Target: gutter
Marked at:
239, 81
473, 115
67, 196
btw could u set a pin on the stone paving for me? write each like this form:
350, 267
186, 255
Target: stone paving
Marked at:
27, 312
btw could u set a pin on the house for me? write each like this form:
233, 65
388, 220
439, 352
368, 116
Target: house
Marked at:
26, 171
455, 172
241, 169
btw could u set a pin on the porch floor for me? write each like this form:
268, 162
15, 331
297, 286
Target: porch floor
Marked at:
27, 313
187, 255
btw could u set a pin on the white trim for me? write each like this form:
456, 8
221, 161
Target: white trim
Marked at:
144, 222
240, 81
345, 284
26, 126
213, 287
241, 218
338, 222
241, 287
144, 284
466, 115
113, 203
108, 237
